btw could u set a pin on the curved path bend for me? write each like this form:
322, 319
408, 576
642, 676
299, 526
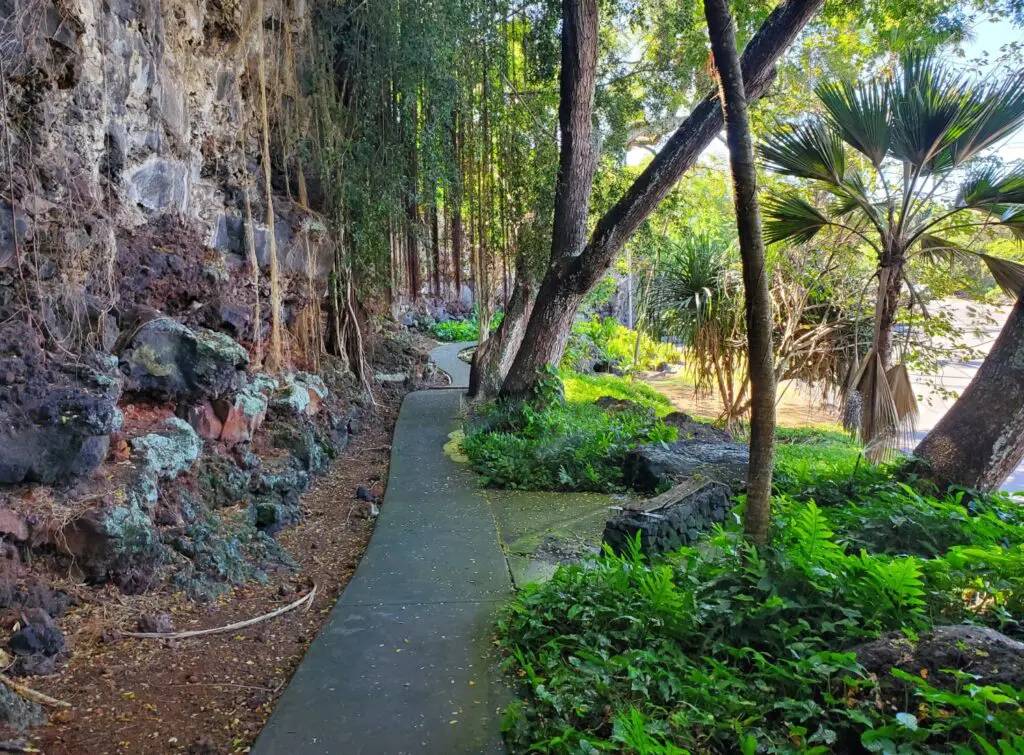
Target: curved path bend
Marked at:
403, 664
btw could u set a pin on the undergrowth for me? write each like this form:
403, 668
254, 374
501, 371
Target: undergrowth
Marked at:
564, 441
722, 649
609, 343
457, 331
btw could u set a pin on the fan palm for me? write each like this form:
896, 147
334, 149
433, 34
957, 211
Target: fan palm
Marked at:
916, 131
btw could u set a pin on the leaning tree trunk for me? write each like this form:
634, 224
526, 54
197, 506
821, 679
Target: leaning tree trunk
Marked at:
577, 161
980, 440
761, 363
568, 280
493, 357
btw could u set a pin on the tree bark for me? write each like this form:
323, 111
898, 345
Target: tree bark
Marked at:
493, 357
435, 244
980, 441
567, 281
577, 157
761, 363
577, 161
890, 279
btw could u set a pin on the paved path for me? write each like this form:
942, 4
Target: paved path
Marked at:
403, 664
446, 357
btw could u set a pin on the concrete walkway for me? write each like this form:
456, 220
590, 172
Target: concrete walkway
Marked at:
404, 663
446, 357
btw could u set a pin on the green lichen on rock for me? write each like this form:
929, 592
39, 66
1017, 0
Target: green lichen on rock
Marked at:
170, 450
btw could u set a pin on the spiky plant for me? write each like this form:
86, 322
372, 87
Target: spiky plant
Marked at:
696, 297
916, 131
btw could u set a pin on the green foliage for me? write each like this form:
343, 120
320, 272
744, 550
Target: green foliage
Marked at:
457, 331
563, 441
608, 342
723, 649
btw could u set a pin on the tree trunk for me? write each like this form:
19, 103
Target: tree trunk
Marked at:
577, 161
493, 357
890, 278
761, 363
980, 440
435, 244
566, 284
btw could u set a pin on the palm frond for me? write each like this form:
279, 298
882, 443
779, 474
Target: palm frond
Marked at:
879, 417
812, 151
996, 113
936, 250
931, 109
860, 113
1012, 218
1008, 275
989, 187
888, 407
853, 193
792, 218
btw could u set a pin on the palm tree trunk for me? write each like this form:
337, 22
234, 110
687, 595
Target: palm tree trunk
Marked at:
761, 365
890, 277
980, 440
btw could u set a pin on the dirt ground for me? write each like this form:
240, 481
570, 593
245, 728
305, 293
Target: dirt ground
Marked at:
212, 694
795, 408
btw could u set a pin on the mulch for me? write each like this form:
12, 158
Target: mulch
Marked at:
212, 694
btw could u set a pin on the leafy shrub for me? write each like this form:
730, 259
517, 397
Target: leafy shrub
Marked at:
456, 331
608, 342
565, 443
723, 649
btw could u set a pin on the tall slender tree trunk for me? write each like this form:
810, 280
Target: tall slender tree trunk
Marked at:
577, 161
567, 281
980, 440
456, 205
435, 244
761, 363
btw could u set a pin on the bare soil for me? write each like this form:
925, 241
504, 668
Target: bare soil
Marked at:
213, 694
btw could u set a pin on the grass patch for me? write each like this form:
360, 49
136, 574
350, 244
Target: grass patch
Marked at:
580, 388
609, 342
566, 443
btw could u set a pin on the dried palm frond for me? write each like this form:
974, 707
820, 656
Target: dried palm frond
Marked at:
881, 407
1008, 275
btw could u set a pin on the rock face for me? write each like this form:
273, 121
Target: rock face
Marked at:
167, 360
990, 656
648, 468
672, 527
55, 417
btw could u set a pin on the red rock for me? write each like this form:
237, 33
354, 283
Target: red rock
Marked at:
13, 526
204, 420
241, 419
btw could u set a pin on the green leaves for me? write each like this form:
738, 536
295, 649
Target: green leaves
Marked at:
931, 108
990, 188
812, 151
861, 114
792, 218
